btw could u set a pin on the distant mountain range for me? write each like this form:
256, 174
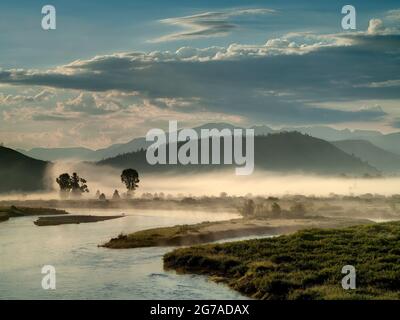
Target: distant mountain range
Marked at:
286, 152
283, 152
54, 154
21, 173
383, 160
387, 142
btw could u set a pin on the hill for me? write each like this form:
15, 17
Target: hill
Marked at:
375, 156
285, 152
389, 142
21, 173
53, 154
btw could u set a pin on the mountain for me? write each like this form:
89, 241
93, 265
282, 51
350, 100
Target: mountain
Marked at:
118, 149
283, 152
388, 142
375, 156
141, 143
332, 134
21, 173
53, 154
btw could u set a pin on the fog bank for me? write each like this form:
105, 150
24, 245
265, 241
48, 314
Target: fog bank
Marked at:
106, 180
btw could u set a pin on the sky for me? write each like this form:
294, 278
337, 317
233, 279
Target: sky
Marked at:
112, 70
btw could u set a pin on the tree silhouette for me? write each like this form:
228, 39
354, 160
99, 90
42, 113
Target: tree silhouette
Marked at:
276, 210
78, 185
248, 209
131, 179
116, 195
71, 184
64, 181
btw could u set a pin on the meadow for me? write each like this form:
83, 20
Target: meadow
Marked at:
302, 266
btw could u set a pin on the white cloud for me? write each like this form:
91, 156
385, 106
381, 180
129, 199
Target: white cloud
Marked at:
377, 27
207, 24
381, 84
10, 99
89, 103
393, 14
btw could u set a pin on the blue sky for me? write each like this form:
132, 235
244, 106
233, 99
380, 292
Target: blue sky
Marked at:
114, 69
88, 28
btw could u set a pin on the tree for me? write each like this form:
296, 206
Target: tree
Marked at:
276, 209
116, 195
248, 209
102, 197
64, 181
298, 209
78, 185
71, 184
98, 193
131, 179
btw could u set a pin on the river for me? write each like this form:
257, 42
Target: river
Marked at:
85, 271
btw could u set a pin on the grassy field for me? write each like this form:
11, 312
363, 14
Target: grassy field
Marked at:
303, 265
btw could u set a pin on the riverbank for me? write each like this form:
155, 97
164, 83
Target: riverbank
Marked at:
213, 231
303, 265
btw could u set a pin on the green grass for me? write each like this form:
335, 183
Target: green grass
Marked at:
304, 265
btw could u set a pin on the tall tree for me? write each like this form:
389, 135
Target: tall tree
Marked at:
64, 181
131, 179
78, 185
116, 195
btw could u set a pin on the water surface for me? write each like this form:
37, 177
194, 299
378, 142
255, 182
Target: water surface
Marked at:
85, 271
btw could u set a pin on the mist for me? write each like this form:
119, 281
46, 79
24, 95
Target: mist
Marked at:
107, 179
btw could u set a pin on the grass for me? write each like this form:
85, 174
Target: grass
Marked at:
304, 265
151, 237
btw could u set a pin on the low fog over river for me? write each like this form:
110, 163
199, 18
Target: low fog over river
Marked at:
107, 180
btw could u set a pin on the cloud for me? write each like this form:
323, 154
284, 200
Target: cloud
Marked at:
393, 14
14, 99
381, 84
396, 123
309, 68
377, 27
89, 103
52, 117
207, 24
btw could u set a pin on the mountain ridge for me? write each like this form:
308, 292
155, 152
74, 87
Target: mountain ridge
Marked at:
287, 151
388, 142
20, 173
